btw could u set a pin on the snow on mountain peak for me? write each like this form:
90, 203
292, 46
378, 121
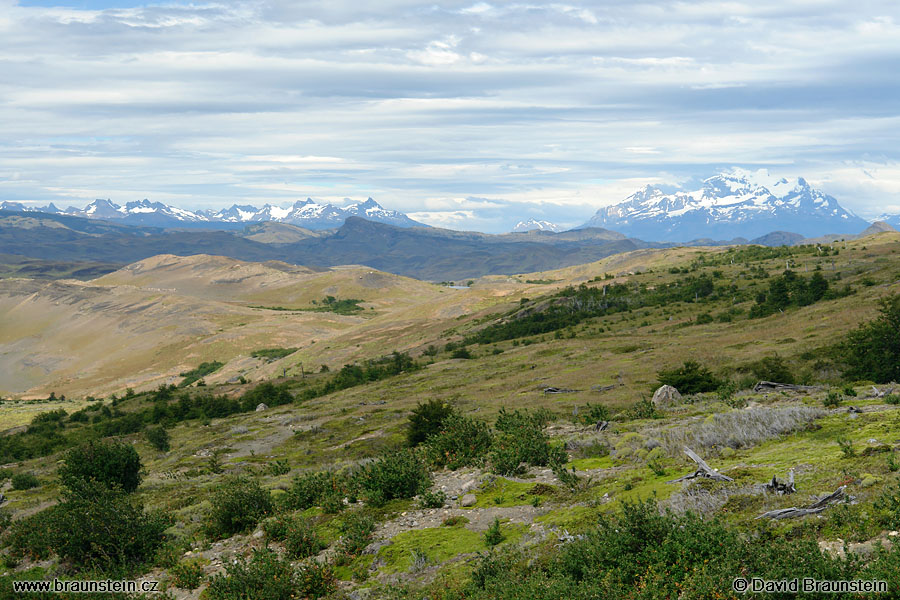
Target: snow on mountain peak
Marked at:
305, 213
734, 203
535, 224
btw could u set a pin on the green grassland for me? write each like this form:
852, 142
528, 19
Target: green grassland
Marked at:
601, 353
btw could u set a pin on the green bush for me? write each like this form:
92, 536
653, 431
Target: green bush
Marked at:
105, 529
461, 353
493, 535
431, 499
199, 372
297, 533
461, 442
316, 489
266, 393
690, 378
592, 414
238, 504
187, 575
521, 440
395, 474
832, 399
356, 533
267, 577
113, 464
157, 437
32, 536
25, 481
772, 368
426, 420
872, 352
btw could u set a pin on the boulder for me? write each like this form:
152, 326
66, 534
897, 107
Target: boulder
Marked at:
468, 500
261, 407
666, 396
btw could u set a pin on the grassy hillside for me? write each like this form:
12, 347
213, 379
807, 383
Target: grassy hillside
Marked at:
543, 503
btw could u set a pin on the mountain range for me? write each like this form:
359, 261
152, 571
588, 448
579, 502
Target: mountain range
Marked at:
533, 224
304, 213
733, 204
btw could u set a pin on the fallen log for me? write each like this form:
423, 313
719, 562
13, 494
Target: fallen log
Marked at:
703, 470
772, 386
814, 508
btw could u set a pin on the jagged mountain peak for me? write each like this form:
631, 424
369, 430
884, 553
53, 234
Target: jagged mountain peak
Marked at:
532, 224
306, 213
733, 203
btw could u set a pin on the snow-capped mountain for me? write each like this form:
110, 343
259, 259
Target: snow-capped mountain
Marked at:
306, 213
532, 224
738, 203
892, 220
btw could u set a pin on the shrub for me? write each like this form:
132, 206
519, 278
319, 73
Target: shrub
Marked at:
873, 351
643, 409
158, 437
395, 474
187, 575
314, 489
833, 399
521, 439
461, 442
25, 481
267, 577
461, 353
846, 447
431, 499
888, 506
297, 533
356, 533
592, 414
690, 378
772, 368
493, 535
266, 393
106, 529
32, 536
426, 420
109, 463
238, 504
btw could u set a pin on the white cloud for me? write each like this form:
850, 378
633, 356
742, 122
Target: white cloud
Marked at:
450, 110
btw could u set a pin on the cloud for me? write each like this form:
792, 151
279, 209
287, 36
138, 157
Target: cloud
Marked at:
472, 114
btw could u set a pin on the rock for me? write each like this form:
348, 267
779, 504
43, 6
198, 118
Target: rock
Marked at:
258, 534
468, 500
666, 396
261, 407
468, 486
240, 430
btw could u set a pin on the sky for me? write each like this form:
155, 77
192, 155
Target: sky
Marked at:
466, 115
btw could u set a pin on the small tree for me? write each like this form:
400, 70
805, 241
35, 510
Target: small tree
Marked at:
690, 378
873, 350
426, 419
238, 504
158, 437
109, 463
